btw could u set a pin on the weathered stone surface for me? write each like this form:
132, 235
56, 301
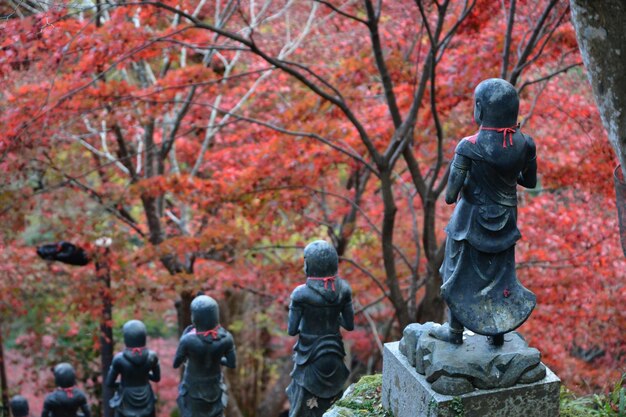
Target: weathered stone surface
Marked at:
482, 365
452, 386
533, 375
407, 394
411, 334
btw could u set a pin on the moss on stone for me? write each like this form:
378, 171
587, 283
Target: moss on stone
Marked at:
363, 399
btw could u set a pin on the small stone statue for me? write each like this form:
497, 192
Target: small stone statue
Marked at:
19, 406
205, 346
478, 271
137, 366
66, 400
65, 252
318, 308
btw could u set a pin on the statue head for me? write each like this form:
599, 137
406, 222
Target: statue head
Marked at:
134, 334
19, 406
205, 313
320, 259
496, 103
64, 375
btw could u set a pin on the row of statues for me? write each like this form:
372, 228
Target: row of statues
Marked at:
317, 310
479, 285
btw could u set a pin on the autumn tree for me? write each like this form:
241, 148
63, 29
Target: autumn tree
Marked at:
213, 139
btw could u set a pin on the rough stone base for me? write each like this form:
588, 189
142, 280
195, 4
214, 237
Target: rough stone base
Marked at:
407, 394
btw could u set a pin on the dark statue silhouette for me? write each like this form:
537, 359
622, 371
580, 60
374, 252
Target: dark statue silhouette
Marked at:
65, 252
317, 311
479, 281
66, 400
205, 347
137, 366
19, 406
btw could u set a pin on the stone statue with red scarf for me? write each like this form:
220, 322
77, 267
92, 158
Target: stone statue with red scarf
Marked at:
479, 281
66, 400
205, 347
137, 366
317, 311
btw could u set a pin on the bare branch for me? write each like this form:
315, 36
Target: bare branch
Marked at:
341, 12
366, 272
532, 41
548, 76
315, 136
507, 40
386, 80
372, 325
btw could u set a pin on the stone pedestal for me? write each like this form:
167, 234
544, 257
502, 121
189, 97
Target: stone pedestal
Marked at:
407, 394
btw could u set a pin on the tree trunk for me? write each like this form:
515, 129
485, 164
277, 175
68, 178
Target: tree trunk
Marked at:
389, 259
602, 40
103, 275
4, 386
183, 310
432, 307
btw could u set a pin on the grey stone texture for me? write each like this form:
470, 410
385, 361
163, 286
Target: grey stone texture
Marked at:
406, 393
459, 369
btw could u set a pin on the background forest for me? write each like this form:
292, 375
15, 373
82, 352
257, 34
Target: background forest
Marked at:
211, 140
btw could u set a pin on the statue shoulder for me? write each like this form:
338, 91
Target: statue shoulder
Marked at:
466, 146
80, 395
118, 359
345, 288
300, 293
228, 338
186, 338
153, 358
532, 148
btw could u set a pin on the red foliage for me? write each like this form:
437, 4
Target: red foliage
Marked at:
208, 170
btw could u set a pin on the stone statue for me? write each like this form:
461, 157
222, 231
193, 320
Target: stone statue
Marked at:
318, 308
205, 347
19, 406
137, 366
66, 400
478, 271
65, 252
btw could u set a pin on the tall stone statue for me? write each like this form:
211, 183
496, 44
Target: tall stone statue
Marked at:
137, 366
205, 347
19, 406
479, 281
66, 400
318, 308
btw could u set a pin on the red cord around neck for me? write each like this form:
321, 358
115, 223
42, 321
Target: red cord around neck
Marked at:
326, 281
68, 391
505, 131
136, 350
212, 332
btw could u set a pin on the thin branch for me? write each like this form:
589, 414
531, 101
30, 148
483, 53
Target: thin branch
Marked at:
315, 136
368, 273
372, 325
549, 76
532, 41
507, 40
386, 80
341, 12
167, 144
